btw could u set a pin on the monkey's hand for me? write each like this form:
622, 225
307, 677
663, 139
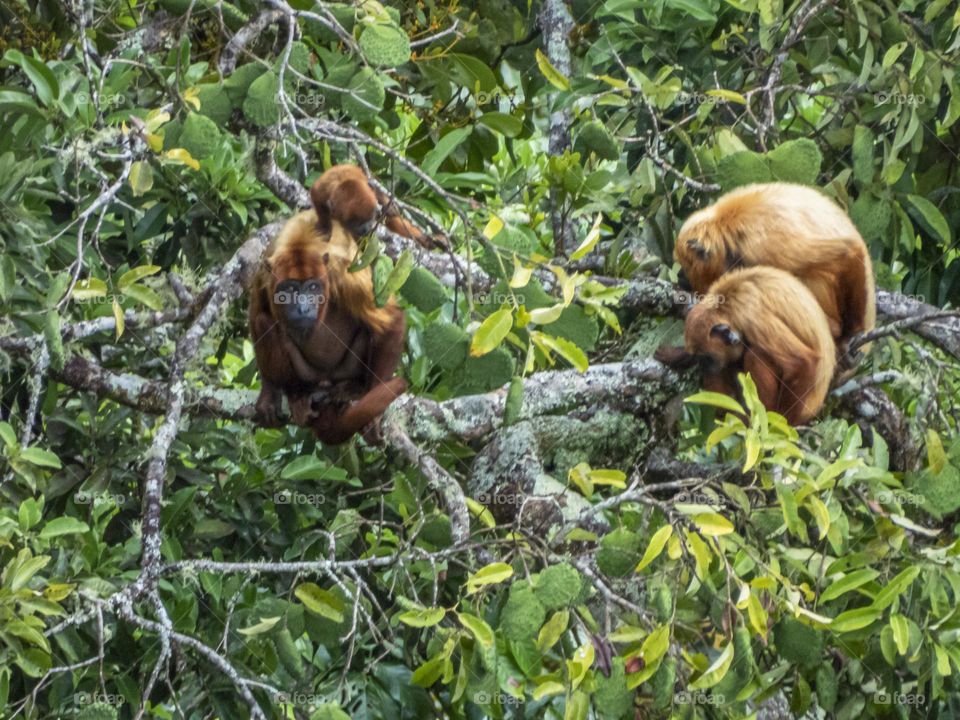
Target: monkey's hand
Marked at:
674, 357
267, 408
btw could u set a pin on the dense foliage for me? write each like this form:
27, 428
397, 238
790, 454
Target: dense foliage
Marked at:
801, 573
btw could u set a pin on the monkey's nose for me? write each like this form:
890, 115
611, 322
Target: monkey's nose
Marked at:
366, 228
683, 281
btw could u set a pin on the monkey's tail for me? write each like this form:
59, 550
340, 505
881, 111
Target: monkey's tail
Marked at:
332, 428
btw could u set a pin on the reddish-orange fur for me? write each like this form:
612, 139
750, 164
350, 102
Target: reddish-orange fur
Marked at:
765, 322
353, 344
791, 227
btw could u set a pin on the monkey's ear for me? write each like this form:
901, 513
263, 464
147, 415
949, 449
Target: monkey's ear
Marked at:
325, 258
320, 196
725, 333
696, 246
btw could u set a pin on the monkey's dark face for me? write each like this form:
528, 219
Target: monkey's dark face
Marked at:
300, 302
711, 339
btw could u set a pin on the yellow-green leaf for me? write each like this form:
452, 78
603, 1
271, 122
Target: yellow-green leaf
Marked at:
261, 627
719, 400
320, 602
552, 630
590, 241
141, 178
477, 627
422, 617
491, 332
716, 671
712, 524
553, 76
491, 574
657, 543
848, 583
182, 157
493, 227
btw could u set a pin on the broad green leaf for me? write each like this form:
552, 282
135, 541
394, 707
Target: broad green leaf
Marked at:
936, 456
422, 617
854, 619
714, 399
40, 457
89, 288
63, 526
897, 585
848, 583
491, 574
931, 217
141, 178
657, 543
481, 632
729, 95
491, 332
565, 349
493, 227
578, 704
320, 602
136, 274
180, 156
445, 145
712, 524
552, 630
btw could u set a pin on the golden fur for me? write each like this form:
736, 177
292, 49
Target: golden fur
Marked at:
792, 227
302, 247
784, 338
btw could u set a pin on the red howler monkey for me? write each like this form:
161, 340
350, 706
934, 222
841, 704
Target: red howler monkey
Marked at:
763, 321
343, 193
314, 323
791, 227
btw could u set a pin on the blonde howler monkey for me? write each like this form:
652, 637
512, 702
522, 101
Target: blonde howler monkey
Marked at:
791, 227
763, 321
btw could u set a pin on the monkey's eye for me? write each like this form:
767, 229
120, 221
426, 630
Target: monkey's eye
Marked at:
312, 286
288, 286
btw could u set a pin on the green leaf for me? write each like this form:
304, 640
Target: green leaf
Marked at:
261, 627
714, 399
397, 277
590, 241
138, 273
320, 602
44, 81
552, 630
566, 349
40, 458
657, 543
901, 633
491, 574
553, 76
848, 583
63, 526
931, 218
446, 145
714, 674
712, 524
422, 617
491, 332
507, 125
23, 568
481, 632
854, 619
897, 585
141, 178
